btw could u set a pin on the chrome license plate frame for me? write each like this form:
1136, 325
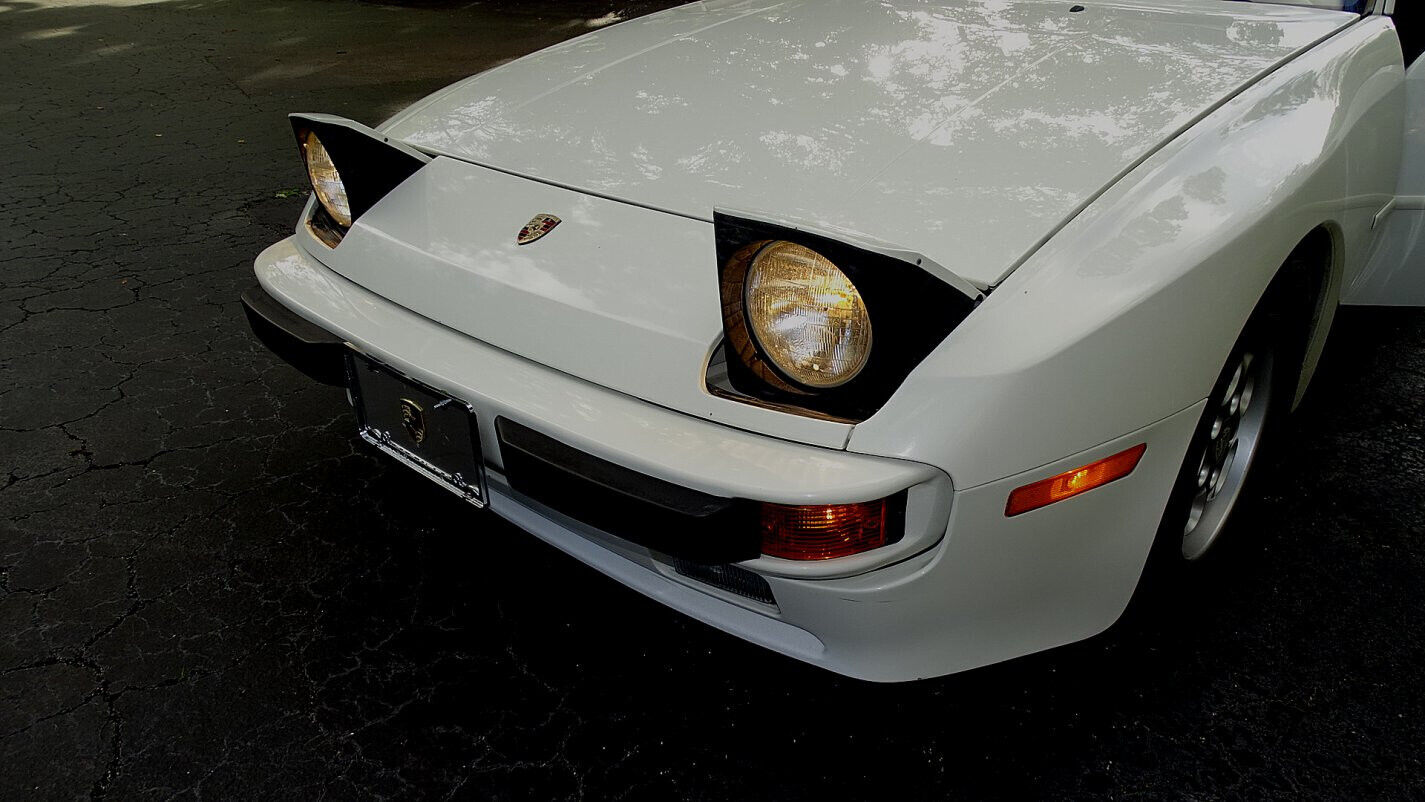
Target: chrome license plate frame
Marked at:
427, 430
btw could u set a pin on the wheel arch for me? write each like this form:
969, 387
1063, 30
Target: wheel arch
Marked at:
1309, 282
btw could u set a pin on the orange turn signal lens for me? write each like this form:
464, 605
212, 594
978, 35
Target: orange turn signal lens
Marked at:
1071, 483
826, 531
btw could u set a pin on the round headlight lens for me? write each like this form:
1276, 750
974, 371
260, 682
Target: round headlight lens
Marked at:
807, 316
326, 181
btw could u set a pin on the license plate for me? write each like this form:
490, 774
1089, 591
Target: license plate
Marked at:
422, 427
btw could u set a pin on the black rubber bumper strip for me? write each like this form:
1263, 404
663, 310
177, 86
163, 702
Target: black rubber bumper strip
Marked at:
302, 344
667, 518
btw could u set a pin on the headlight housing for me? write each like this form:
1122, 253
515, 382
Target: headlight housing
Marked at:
351, 168
799, 310
326, 179
807, 318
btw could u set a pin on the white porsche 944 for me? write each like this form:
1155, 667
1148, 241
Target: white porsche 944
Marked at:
893, 336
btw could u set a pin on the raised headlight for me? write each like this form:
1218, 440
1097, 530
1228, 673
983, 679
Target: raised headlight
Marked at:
807, 317
798, 310
326, 181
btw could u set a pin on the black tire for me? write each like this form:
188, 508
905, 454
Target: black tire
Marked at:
1277, 331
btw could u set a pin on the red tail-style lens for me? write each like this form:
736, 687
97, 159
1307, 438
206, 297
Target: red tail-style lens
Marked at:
824, 531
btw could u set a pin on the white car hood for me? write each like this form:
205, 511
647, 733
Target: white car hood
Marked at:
967, 131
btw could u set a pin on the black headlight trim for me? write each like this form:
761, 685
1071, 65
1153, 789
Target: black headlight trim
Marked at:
371, 165
911, 310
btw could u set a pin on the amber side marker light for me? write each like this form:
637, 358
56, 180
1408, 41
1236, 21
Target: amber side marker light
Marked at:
825, 531
1071, 483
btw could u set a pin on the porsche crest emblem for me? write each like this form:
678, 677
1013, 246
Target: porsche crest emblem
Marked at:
538, 226
413, 420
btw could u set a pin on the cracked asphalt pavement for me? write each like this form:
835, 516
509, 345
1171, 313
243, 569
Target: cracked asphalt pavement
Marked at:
209, 589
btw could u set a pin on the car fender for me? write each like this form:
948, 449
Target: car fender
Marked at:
1127, 314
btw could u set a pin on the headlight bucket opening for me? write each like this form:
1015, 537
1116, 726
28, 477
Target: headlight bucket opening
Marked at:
847, 289
350, 168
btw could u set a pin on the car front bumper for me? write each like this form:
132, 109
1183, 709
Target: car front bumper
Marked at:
967, 586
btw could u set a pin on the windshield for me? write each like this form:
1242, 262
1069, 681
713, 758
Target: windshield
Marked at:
1357, 6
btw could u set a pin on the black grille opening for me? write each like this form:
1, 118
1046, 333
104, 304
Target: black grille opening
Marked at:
738, 581
686, 524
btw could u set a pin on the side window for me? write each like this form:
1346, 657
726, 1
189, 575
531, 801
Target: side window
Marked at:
1411, 27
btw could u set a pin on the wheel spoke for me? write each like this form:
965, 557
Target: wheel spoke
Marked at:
1236, 381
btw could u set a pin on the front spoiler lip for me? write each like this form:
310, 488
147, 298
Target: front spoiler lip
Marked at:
304, 345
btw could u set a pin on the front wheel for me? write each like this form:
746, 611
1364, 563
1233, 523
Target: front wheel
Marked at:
1229, 437
1244, 404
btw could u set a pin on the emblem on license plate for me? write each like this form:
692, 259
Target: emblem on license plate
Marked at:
413, 420
538, 226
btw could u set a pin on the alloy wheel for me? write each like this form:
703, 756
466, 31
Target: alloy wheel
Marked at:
1238, 409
